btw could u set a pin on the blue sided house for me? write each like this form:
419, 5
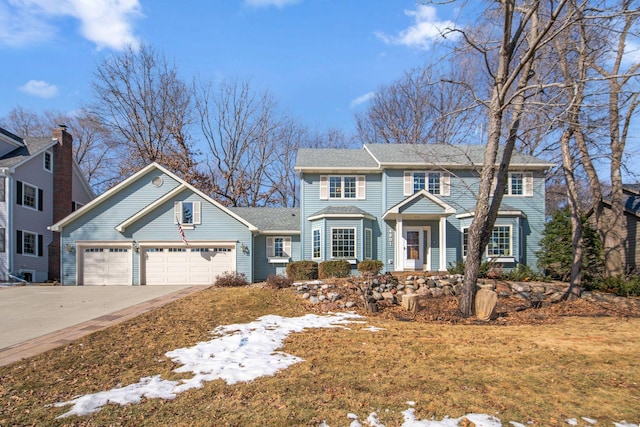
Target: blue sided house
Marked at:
408, 206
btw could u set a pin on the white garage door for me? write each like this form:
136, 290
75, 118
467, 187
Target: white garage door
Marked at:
186, 266
106, 266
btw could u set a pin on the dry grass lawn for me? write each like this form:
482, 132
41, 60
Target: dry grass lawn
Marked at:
537, 374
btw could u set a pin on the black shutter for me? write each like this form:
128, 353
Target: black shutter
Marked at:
40, 242
19, 242
40, 195
19, 192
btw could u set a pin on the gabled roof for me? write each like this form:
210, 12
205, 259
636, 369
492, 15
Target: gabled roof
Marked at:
271, 220
422, 194
327, 159
32, 147
10, 138
140, 214
630, 200
133, 178
341, 212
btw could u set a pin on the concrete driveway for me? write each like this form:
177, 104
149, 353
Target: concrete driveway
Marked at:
34, 319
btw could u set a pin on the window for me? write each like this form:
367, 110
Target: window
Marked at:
187, 213
3, 192
500, 242
28, 243
75, 206
342, 187
316, 244
2, 240
519, 184
368, 243
48, 161
278, 248
343, 243
436, 183
28, 195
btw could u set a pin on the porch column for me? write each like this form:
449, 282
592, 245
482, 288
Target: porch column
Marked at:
399, 245
443, 243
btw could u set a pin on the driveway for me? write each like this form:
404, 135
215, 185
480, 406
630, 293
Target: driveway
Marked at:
34, 319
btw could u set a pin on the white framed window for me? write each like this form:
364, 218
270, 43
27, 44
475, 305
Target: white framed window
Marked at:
500, 243
519, 184
278, 248
3, 192
75, 206
187, 213
316, 243
47, 160
343, 242
368, 243
435, 182
29, 196
3, 239
342, 187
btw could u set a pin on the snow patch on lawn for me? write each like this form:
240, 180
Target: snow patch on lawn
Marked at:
242, 352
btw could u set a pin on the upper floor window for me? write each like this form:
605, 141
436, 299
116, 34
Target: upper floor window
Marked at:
519, 184
48, 161
342, 187
28, 195
187, 213
436, 183
278, 247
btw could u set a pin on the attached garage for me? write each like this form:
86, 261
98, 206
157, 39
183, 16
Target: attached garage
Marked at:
104, 265
185, 265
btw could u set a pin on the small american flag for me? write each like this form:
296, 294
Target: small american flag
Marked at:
181, 231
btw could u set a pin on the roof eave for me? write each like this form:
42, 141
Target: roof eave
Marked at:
338, 215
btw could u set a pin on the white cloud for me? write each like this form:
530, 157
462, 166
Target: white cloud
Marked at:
266, 3
424, 30
39, 88
107, 23
632, 52
362, 99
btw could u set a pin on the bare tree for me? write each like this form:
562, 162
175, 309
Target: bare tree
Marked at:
526, 26
426, 105
92, 146
139, 95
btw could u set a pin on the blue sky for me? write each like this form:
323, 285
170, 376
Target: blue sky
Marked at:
321, 59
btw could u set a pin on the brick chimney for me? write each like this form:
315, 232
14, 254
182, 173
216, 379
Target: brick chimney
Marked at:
62, 191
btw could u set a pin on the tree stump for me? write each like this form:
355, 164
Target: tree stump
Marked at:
410, 302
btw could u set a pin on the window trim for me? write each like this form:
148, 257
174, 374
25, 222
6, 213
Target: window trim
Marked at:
313, 231
39, 196
355, 242
509, 257
527, 184
44, 161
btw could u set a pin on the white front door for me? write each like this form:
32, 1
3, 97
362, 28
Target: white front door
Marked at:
413, 252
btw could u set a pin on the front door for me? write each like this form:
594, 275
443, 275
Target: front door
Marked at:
413, 248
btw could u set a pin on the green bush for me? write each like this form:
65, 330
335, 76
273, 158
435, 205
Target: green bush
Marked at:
457, 267
522, 273
619, 285
485, 268
302, 270
334, 269
231, 279
555, 257
370, 266
278, 282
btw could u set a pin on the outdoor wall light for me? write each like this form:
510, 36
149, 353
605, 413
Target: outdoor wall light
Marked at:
244, 248
135, 246
68, 248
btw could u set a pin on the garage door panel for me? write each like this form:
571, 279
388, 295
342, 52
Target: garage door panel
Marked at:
106, 266
191, 266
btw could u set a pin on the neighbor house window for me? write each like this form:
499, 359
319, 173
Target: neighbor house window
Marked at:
48, 161
316, 244
342, 187
278, 247
75, 206
500, 241
29, 196
436, 183
187, 213
3, 240
3, 192
343, 243
28, 243
368, 243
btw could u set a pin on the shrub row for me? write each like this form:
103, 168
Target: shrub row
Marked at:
311, 270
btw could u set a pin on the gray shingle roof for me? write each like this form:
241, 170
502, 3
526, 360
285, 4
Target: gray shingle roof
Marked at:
440, 154
341, 210
271, 219
334, 158
33, 145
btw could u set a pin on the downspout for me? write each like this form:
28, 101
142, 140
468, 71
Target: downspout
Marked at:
9, 232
